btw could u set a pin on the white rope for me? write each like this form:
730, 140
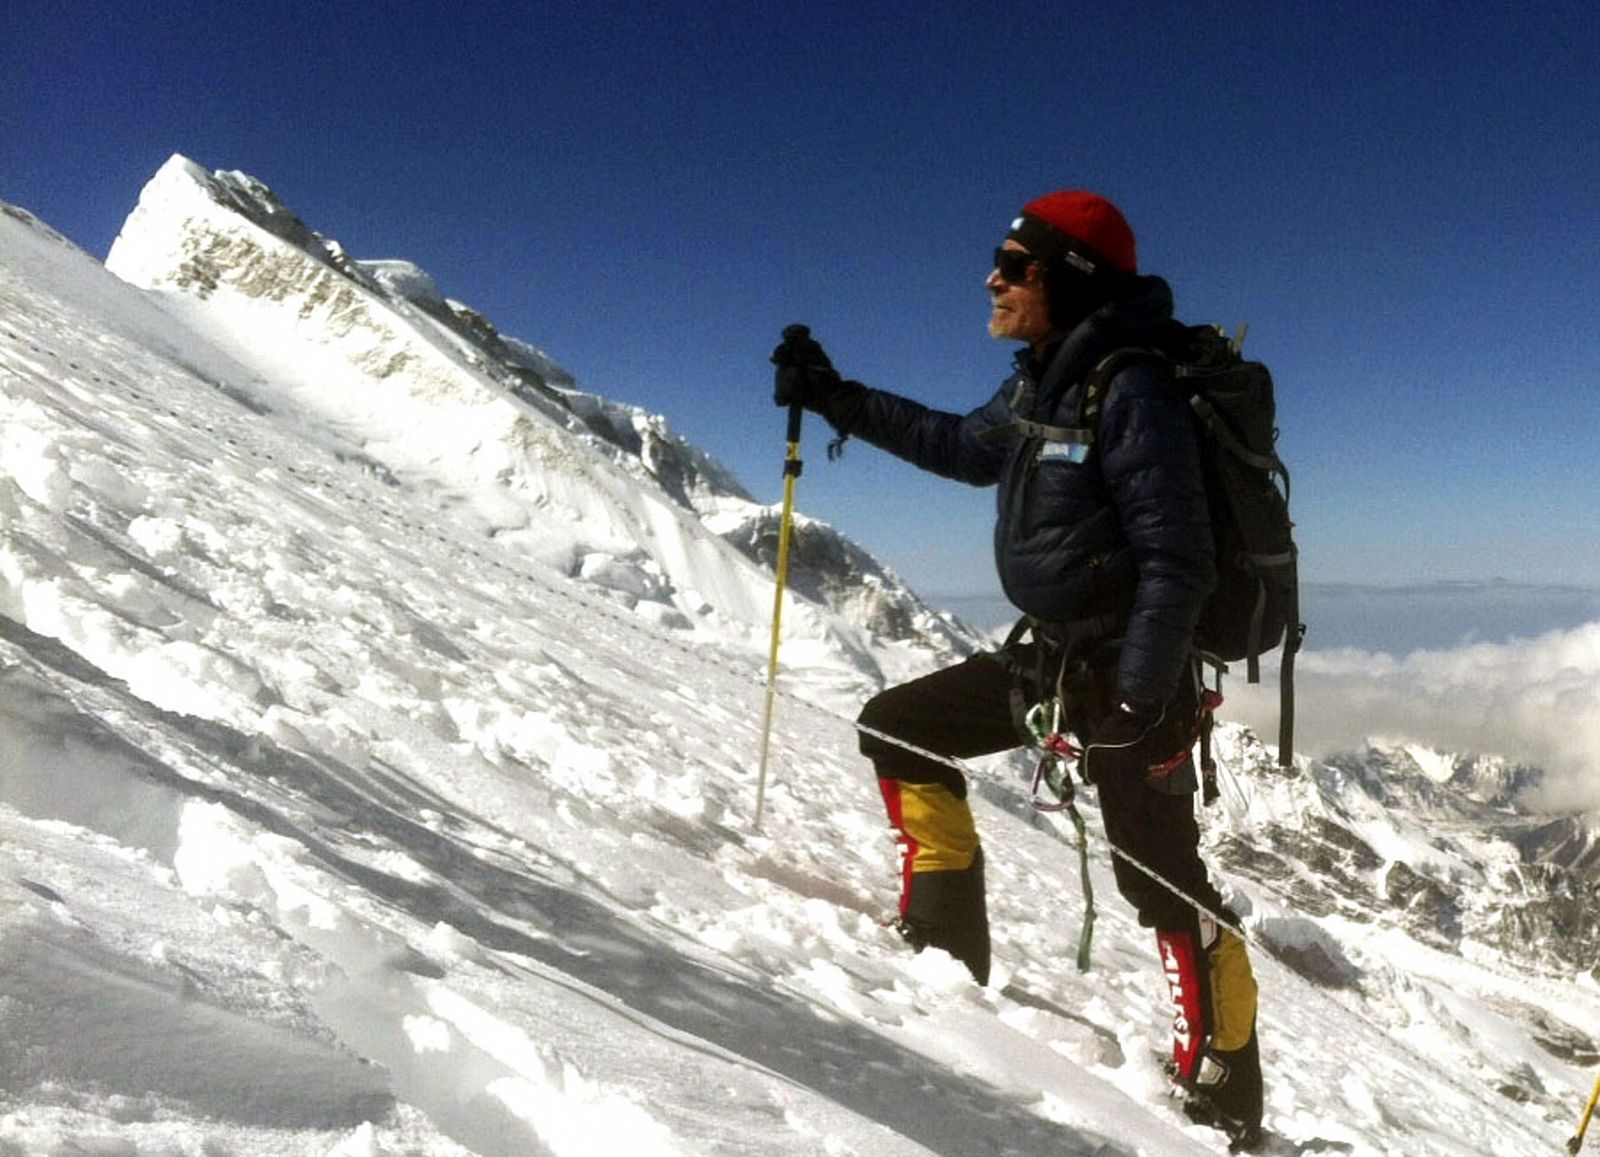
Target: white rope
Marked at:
1230, 923
308, 471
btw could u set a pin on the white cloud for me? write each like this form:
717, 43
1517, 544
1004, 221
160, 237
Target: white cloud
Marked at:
1535, 701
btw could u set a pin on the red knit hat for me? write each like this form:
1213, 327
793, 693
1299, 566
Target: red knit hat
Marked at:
1076, 227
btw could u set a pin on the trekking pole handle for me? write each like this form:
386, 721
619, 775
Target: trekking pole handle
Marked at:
798, 338
796, 413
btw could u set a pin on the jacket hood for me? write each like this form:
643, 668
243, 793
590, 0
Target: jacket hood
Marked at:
1138, 316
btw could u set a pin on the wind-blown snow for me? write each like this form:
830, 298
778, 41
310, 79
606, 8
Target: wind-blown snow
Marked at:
368, 790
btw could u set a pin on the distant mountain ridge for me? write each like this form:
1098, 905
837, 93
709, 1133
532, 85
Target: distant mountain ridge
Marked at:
1396, 835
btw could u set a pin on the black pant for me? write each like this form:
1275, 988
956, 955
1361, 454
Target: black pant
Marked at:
966, 710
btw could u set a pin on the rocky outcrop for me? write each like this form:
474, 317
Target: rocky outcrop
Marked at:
1439, 846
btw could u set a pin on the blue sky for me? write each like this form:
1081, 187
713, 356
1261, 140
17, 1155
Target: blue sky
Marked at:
1401, 200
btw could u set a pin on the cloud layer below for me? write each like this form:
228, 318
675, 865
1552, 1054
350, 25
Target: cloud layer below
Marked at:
1534, 701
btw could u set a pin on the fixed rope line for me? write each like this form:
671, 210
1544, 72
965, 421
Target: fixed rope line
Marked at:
972, 773
1263, 959
570, 592
384, 514
609, 611
631, 623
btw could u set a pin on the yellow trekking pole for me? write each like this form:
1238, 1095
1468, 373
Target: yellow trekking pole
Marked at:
1583, 1125
791, 471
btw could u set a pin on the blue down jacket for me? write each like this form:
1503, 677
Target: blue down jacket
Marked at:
1079, 532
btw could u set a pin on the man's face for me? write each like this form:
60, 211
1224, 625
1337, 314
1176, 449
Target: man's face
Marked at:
1021, 310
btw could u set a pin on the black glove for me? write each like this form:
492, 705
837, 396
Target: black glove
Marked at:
805, 375
1122, 747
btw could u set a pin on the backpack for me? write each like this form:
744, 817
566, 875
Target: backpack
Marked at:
1255, 606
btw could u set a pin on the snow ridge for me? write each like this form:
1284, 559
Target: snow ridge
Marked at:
375, 348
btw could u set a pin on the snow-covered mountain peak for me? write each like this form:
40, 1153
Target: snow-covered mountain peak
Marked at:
378, 351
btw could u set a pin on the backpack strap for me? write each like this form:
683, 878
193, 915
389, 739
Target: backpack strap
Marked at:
1027, 428
1098, 380
1220, 431
1083, 434
1210, 700
1293, 636
1100, 377
1269, 463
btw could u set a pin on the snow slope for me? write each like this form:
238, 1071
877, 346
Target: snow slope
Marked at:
355, 800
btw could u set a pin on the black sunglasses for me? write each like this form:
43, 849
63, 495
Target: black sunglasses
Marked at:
1012, 264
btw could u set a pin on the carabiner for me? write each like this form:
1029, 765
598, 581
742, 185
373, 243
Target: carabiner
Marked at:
1060, 755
